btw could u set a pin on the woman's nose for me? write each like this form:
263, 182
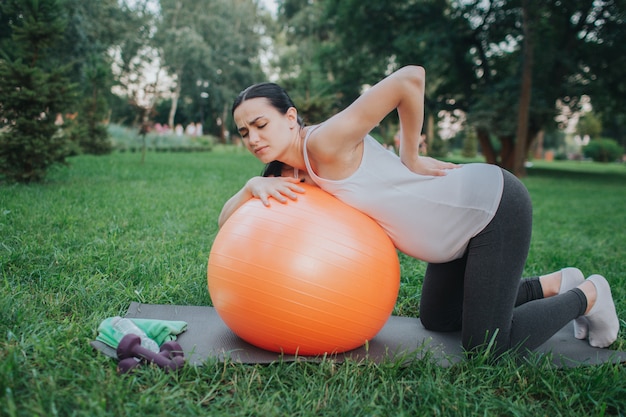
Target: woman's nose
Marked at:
253, 137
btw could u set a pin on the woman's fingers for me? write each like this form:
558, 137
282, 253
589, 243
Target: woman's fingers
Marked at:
279, 188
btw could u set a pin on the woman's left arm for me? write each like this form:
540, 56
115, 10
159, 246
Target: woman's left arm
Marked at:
403, 91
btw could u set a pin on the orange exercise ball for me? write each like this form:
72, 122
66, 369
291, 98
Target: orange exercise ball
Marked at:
309, 277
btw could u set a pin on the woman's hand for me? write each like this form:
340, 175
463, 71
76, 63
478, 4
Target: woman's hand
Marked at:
262, 188
279, 188
425, 165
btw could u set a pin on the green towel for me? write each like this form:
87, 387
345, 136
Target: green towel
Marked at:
160, 331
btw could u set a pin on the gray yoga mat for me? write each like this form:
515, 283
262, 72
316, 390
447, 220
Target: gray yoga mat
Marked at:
402, 338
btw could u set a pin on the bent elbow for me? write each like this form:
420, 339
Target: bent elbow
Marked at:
419, 73
416, 72
414, 75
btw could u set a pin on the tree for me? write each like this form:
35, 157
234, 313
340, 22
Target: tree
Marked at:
404, 33
182, 48
604, 54
211, 50
34, 87
521, 142
304, 44
138, 69
92, 29
568, 31
589, 125
477, 64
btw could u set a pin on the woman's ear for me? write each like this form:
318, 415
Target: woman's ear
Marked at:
292, 115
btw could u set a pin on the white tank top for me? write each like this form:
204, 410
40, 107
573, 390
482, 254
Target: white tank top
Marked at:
426, 217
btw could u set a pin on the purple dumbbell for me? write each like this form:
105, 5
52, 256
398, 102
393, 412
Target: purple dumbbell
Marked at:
172, 349
130, 347
127, 365
175, 354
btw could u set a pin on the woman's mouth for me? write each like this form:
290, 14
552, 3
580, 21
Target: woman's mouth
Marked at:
260, 150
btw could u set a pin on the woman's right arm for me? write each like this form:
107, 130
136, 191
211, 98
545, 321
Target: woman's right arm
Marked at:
280, 188
233, 204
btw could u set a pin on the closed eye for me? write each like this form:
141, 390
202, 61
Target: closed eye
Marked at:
243, 131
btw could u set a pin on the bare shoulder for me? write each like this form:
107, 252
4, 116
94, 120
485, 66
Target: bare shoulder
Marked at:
338, 141
332, 162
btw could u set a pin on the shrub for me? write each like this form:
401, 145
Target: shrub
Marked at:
90, 138
30, 143
32, 92
603, 150
128, 139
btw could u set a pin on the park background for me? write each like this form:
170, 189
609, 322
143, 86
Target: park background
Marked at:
103, 202
509, 80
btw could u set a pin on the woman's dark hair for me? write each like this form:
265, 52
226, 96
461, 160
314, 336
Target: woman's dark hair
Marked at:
273, 169
280, 100
275, 94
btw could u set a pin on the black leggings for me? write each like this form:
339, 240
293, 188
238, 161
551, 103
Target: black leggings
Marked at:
482, 293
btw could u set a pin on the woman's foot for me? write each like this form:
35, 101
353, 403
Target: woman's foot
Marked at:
572, 278
601, 315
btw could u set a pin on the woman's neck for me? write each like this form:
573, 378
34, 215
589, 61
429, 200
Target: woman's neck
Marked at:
295, 154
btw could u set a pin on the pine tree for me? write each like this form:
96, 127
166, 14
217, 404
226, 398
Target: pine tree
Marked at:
33, 90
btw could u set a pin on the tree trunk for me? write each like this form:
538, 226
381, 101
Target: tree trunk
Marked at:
223, 129
486, 146
175, 97
507, 153
521, 136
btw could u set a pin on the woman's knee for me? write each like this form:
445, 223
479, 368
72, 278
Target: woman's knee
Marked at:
449, 321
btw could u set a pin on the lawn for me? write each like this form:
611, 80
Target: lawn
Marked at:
108, 230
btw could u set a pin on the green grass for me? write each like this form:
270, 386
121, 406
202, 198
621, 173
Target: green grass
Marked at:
108, 231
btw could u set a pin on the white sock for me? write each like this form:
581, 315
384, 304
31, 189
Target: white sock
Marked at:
572, 278
602, 318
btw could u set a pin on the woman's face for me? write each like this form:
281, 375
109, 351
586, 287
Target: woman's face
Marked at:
265, 131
